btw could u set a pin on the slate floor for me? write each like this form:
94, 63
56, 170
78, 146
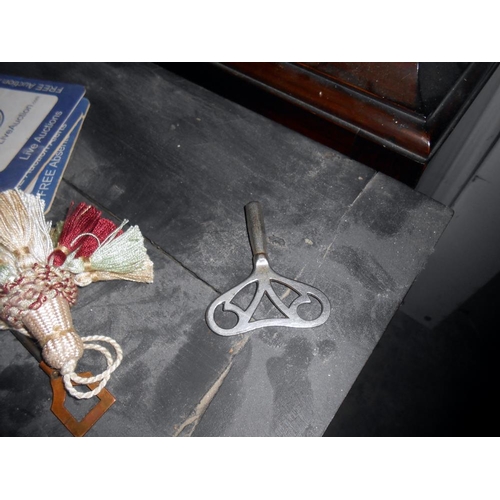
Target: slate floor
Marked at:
418, 382
422, 382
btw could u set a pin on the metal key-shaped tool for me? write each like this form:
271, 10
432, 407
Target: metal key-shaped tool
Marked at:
264, 276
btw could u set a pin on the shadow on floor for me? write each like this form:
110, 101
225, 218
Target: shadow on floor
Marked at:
422, 382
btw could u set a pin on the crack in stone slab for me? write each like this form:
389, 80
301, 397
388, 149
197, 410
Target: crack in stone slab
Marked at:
194, 418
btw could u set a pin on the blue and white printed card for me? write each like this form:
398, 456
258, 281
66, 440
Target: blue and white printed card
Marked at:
60, 136
31, 114
49, 178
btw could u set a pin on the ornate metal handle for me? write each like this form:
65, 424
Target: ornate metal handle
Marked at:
264, 277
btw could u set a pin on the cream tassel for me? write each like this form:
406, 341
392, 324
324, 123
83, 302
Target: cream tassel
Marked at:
23, 229
8, 266
143, 275
36, 296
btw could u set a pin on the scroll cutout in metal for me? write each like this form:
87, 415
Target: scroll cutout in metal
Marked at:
264, 276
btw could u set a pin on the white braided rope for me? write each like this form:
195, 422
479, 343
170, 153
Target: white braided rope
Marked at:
102, 377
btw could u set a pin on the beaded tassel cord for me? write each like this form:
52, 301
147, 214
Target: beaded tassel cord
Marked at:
40, 269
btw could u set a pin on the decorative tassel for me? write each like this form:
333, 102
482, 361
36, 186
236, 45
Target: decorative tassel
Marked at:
143, 275
8, 266
120, 256
38, 284
91, 242
23, 230
80, 221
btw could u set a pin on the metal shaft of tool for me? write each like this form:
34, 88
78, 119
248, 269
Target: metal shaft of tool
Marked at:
256, 228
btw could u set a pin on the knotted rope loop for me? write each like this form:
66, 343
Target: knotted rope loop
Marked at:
112, 365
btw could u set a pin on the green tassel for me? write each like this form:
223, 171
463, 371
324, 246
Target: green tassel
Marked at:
121, 256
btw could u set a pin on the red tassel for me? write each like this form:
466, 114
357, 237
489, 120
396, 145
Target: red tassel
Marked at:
102, 230
79, 221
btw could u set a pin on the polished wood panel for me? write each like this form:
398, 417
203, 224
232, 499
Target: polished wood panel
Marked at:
373, 112
379, 79
391, 116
